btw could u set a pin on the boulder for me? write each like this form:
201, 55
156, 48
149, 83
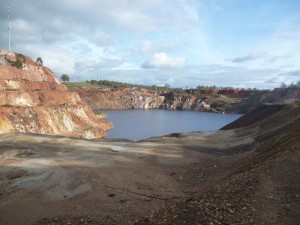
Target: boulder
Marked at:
11, 57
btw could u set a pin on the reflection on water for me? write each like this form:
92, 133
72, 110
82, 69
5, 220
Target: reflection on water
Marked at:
140, 124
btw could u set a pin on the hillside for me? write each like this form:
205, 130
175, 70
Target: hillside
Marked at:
254, 116
117, 98
221, 100
248, 175
33, 100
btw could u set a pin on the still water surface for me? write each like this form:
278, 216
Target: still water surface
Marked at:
141, 124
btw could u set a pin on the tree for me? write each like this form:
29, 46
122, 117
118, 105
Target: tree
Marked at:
283, 85
65, 77
39, 61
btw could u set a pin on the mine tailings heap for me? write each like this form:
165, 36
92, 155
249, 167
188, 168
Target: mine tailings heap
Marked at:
33, 100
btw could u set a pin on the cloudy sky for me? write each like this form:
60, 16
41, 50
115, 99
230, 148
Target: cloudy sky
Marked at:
183, 43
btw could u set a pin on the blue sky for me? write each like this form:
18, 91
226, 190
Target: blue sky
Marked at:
183, 43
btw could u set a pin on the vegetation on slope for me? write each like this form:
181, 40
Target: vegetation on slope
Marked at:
220, 99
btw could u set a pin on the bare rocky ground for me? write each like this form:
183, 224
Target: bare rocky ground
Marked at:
241, 176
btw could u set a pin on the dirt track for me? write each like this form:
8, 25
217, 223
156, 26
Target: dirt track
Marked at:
223, 177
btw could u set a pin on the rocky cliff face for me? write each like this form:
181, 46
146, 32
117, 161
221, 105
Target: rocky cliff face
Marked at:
214, 100
140, 98
32, 100
120, 98
227, 100
182, 102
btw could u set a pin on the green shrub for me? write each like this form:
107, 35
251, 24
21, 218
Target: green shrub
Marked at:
20, 61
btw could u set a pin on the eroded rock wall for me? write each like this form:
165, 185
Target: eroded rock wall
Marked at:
179, 102
227, 100
121, 98
32, 100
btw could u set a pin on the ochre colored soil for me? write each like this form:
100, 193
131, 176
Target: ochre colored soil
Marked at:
248, 175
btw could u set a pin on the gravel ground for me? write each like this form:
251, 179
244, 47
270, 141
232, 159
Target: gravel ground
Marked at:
242, 176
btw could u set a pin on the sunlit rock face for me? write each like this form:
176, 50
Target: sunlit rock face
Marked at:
33, 100
121, 98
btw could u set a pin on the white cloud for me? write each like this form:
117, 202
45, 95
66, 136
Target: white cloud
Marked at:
191, 8
292, 73
125, 66
135, 21
276, 58
277, 80
54, 57
50, 37
150, 47
292, 35
145, 47
250, 57
137, 16
88, 35
163, 61
114, 37
103, 38
286, 77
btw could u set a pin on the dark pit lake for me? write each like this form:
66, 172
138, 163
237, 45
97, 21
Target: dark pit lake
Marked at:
141, 124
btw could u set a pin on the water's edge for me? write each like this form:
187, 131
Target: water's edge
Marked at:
141, 124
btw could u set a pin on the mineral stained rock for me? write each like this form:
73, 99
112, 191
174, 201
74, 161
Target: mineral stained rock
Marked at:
33, 100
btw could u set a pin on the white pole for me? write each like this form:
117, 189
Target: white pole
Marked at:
9, 27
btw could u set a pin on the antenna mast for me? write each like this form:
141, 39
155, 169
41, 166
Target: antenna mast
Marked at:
9, 27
